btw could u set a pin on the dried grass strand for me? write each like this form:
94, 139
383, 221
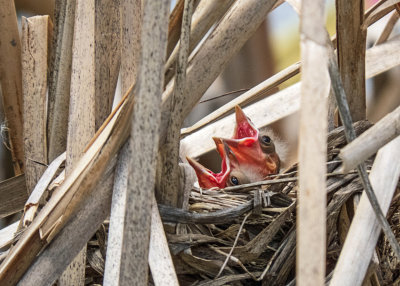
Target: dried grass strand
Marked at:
233, 246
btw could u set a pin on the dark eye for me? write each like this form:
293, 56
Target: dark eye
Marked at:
234, 180
266, 144
266, 139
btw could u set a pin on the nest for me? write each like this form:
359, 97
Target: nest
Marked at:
248, 237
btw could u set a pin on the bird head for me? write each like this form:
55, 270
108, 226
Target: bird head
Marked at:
248, 157
251, 155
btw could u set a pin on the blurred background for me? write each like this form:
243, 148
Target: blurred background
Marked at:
275, 46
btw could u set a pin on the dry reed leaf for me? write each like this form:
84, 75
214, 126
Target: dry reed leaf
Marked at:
351, 45
382, 57
74, 189
82, 107
160, 260
193, 239
60, 77
131, 21
174, 25
7, 234
206, 266
205, 15
96, 260
146, 119
107, 57
377, 11
168, 173
81, 120
357, 252
313, 129
52, 261
11, 82
35, 41
157, 260
371, 141
388, 28
36, 196
13, 195
57, 181
117, 217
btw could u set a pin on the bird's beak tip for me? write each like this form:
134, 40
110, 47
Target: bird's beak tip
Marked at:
240, 116
244, 126
217, 140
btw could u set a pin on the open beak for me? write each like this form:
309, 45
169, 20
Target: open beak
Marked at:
244, 127
249, 152
207, 178
251, 159
244, 154
246, 151
220, 146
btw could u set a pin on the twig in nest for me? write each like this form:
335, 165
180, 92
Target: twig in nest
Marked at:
291, 233
296, 171
234, 259
233, 246
171, 214
245, 187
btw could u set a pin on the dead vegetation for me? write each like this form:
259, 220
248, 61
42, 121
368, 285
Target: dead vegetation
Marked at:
103, 195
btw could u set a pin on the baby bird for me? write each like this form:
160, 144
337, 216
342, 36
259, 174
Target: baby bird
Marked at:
249, 156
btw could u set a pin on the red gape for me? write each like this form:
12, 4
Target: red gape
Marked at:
248, 157
207, 178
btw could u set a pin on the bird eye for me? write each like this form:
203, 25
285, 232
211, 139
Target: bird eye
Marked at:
234, 180
266, 144
266, 139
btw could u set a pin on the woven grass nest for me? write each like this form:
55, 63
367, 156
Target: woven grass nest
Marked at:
247, 236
